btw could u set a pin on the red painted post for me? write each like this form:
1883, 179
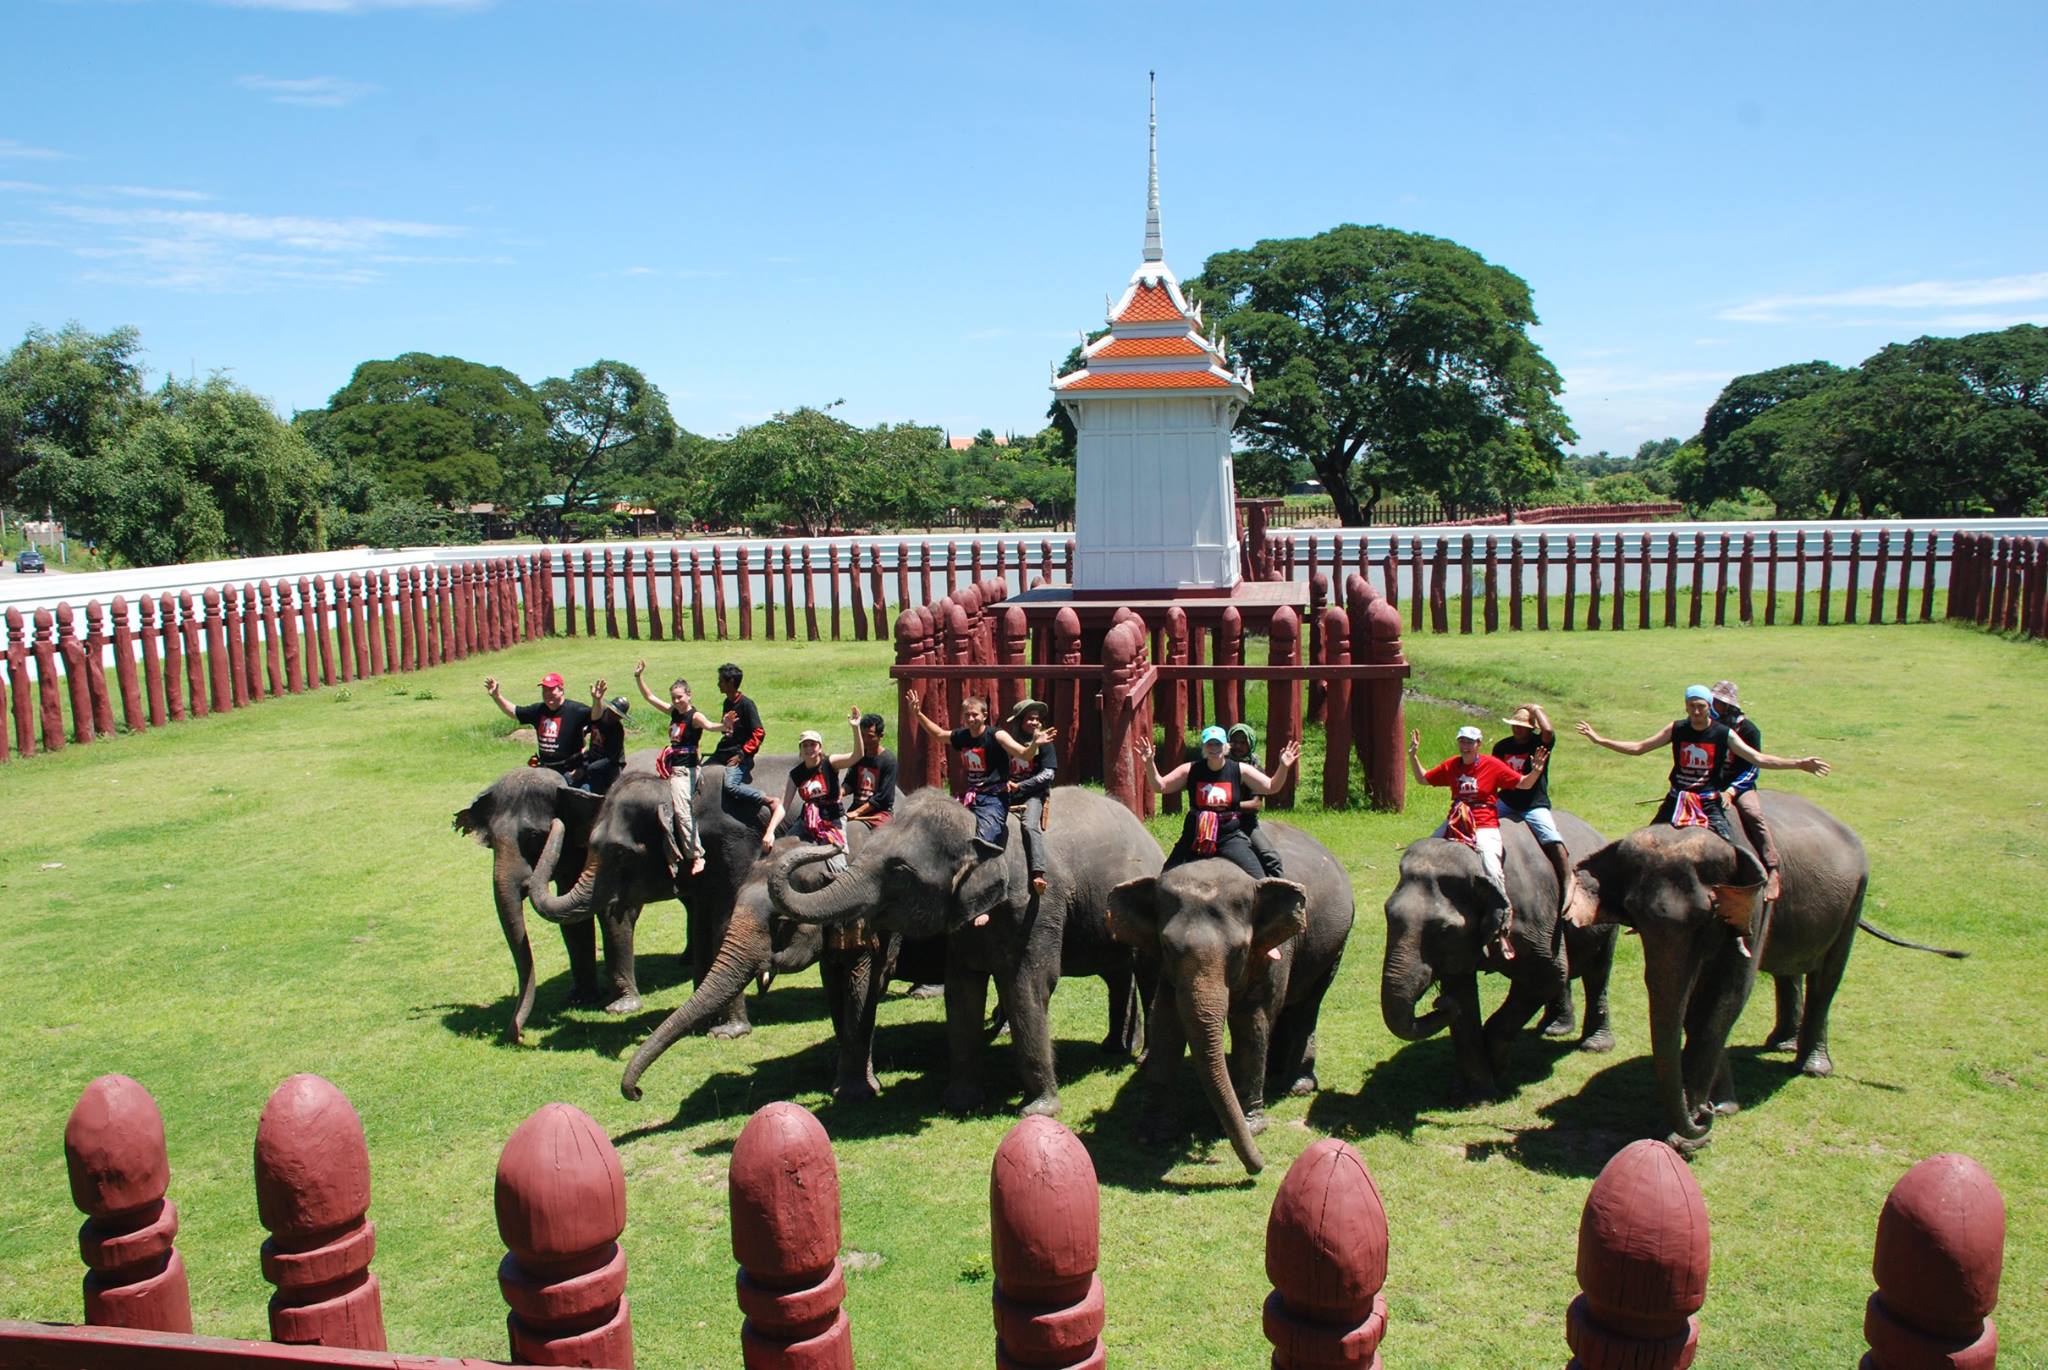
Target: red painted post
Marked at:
151, 643
1229, 652
1721, 586
1175, 740
1066, 700
411, 658
1593, 585
72, 653
1619, 600
1571, 579
125, 678
1940, 1252
1514, 585
544, 586
1642, 581
675, 594
18, 682
1855, 574
718, 588
854, 595
653, 595
173, 643
924, 570
1542, 582
365, 592
1045, 1217
1390, 571
2016, 576
1827, 574
1283, 698
94, 651
47, 698
561, 1204
1336, 651
783, 1194
974, 562
1699, 579
1771, 578
1492, 588
746, 579
359, 625
911, 646
1385, 742
1318, 600
288, 626
788, 597
1671, 580
265, 677
832, 584
312, 1194
1013, 648
120, 1170
1799, 578
811, 598
609, 573
1643, 1256
1904, 605
312, 603
197, 673
273, 639
377, 623
1877, 570
1045, 560
632, 606
589, 594
697, 598
1439, 590
768, 589
343, 634
308, 635
1122, 648
1326, 1255
232, 653
397, 622
1464, 585
1927, 579
1415, 597
483, 604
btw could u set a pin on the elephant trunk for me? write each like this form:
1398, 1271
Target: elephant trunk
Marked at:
1204, 1011
1404, 979
575, 904
1669, 975
743, 954
852, 895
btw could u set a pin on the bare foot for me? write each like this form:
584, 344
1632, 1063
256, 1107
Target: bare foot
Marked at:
1038, 884
697, 866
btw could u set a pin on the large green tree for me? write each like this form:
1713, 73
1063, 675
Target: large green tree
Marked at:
65, 393
800, 468
1389, 360
1726, 464
202, 470
609, 432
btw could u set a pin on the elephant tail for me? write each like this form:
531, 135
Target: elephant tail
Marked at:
1881, 935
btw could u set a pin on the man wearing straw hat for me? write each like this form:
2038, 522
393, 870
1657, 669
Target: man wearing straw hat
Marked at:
1531, 733
1028, 783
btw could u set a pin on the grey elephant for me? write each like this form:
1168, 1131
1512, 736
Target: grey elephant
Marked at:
921, 877
1687, 892
626, 868
1435, 917
1252, 956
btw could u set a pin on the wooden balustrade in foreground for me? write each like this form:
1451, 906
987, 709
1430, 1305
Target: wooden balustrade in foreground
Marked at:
1643, 1261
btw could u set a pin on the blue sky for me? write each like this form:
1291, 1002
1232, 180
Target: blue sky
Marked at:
916, 208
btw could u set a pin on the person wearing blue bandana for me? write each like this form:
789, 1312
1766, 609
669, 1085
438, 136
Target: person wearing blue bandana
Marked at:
1216, 785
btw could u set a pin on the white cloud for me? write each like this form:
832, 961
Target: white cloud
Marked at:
317, 92
149, 193
24, 188
10, 148
352, 6
222, 252
1916, 296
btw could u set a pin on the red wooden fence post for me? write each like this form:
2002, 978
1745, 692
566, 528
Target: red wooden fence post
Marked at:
18, 682
768, 590
910, 648
675, 594
811, 598
610, 573
1514, 585
48, 701
273, 643
1014, 649
561, 1203
718, 588
1877, 570
1619, 599
632, 604
1066, 700
1721, 586
1439, 606
1174, 741
152, 662
783, 1194
653, 595
746, 598
1771, 578
1415, 596
878, 604
242, 645
1318, 600
1336, 651
1900, 611
312, 1192
359, 625
832, 583
855, 598
1122, 648
1464, 585
1671, 580
1593, 585
1492, 588
114, 1151
1044, 1232
1542, 582
1643, 1256
174, 658
125, 679
1229, 652
1571, 579
348, 667
697, 597
589, 595
1326, 1255
1699, 579
375, 621
288, 625
1827, 574
1940, 1251
1283, 699
1855, 574
1799, 576
412, 655
72, 653
94, 650
197, 673
313, 633
1927, 579
788, 595
1384, 745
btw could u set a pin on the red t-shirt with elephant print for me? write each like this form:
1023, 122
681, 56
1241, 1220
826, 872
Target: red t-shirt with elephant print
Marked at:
1476, 784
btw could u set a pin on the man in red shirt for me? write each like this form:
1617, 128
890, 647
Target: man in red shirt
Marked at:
1475, 781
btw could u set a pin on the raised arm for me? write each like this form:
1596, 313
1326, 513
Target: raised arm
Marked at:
778, 808
1661, 737
597, 689
1258, 782
1545, 734
1536, 765
1173, 782
839, 761
640, 680
1415, 757
504, 705
916, 702
1813, 765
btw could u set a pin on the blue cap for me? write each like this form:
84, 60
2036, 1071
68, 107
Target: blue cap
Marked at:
1699, 692
1214, 734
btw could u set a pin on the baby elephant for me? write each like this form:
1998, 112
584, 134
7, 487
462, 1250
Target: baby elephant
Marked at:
1255, 954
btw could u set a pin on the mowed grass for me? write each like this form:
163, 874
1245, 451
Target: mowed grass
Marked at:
218, 905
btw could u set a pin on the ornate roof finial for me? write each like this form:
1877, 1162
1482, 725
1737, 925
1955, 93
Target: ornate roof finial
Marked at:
1154, 252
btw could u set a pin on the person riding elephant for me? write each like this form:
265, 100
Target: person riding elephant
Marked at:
1439, 917
627, 868
1678, 888
925, 874
1217, 785
1253, 956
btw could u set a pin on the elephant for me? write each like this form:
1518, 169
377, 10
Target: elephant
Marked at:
1435, 914
1209, 928
1682, 890
920, 876
513, 818
626, 868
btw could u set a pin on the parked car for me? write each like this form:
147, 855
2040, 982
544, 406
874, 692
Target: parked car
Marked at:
29, 561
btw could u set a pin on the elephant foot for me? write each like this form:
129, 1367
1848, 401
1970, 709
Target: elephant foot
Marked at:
1688, 1146
727, 1031
586, 996
927, 991
1046, 1105
629, 1002
1256, 1122
856, 1089
1601, 1039
1726, 1108
1468, 1094
1114, 1045
1782, 1039
1305, 1083
961, 1098
1559, 1026
1817, 1064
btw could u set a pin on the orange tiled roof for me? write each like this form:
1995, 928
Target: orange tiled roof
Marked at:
1151, 304
1152, 347
1146, 380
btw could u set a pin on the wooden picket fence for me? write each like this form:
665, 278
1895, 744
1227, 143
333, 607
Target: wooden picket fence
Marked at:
180, 657
1643, 1252
1428, 513
2000, 583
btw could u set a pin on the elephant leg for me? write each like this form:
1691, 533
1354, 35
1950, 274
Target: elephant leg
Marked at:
1468, 1038
1291, 1055
580, 940
966, 997
618, 959
1821, 985
853, 988
1669, 974
1559, 1020
1599, 1034
1251, 1036
1717, 1002
1791, 1003
1514, 1013
508, 891
707, 929
1165, 1042
1123, 1013
1029, 1000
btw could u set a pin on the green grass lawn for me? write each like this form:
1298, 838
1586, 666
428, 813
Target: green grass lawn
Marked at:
215, 906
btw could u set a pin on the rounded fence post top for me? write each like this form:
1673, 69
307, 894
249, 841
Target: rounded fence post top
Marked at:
1120, 645
42, 622
1044, 1209
1941, 1244
210, 595
1067, 623
968, 598
909, 626
1382, 620
957, 616
1286, 625
1232, 618
561, 1191
1326, 1237
114, 1148
1013, 619
783, 1191
312, 1162
1643, 1242
14, 619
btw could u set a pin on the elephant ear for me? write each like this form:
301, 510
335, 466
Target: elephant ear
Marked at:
1133, 915
979, 887
476, 819
1596, 890
1279, 914
1734, 900
578, 810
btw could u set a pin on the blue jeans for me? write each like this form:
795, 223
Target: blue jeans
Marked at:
1539, 822
739, 784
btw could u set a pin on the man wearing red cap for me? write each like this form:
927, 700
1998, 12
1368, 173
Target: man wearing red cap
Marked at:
559, 723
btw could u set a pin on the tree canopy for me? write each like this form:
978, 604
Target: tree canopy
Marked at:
1390, 360
64, 393
608, 429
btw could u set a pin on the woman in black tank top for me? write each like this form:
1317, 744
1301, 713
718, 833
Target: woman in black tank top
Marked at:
1215, 785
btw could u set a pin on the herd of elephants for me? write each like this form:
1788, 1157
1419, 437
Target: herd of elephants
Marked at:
1201, 960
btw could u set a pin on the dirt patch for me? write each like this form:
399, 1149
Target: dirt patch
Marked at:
1459, 705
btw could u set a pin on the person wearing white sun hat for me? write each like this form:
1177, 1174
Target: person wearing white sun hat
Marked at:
1476, 781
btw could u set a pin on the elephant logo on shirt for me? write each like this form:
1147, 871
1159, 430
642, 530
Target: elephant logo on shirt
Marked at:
1214, 796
